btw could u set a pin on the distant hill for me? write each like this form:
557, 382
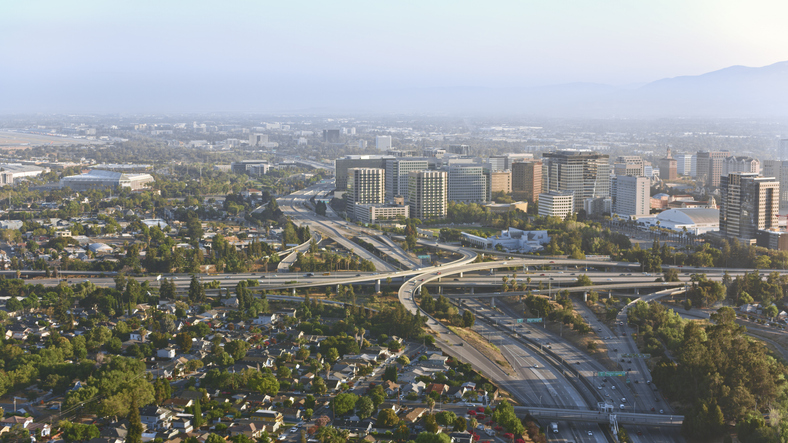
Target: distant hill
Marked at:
737, 91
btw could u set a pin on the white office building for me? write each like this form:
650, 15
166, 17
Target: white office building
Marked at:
585, 172
427, 194
467, 184
631, 196
383, 142
397, 171
556, 204
364, 186
685, 164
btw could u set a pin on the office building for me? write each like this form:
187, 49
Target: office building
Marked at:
14, 173
598, 206
428, 194
397, 175
527, 180
98, 179
498, 181
522, 157
633, 169
256, 139
709, 167
364, 186
463, 150
497, 162
341, 166
383, 142
685, 165
668, 167
782, 149
556, 204
466, 184
331, 135
629, 165
585, 172
631, 195
377, 213
772, 239
244, 166
748, 203
779, 170
741, 164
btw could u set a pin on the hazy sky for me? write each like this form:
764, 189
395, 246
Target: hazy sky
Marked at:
178, 54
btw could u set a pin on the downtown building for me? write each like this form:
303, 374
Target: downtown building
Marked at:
584, 172
709, 166
365, 186
466, 184
556, 204
631, 196
749, 203
428, 194
527, 180
342, 165
397, 171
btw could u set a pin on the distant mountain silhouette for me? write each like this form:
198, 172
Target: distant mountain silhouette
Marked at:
737, 91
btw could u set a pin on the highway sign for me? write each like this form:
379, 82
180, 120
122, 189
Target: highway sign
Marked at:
423, 257
519, 320
611, 374
635, 355
533, 320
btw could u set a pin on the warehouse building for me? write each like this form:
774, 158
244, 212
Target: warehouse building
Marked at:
98, 179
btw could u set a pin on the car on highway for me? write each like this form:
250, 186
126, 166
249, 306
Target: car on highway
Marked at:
590, 434
661, 411
456, 279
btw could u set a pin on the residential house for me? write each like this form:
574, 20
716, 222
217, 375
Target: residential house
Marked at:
155, 418
270, 418
390, 387
414, 415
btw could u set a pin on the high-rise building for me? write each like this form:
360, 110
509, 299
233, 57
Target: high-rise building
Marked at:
498, 181
467, 184
365, 186
527, 179
782, 149
556, 204
585, 172
668, 167
331, 135
341, 166
779, 170
740, 164
256, 139
383, 142
397, 175
460, 149
497, 162
631, 195
709, 167
628, 169
748, 203
521, 157
684, 165
428, 194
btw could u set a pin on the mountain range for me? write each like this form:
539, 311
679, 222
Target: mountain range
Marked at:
733, 92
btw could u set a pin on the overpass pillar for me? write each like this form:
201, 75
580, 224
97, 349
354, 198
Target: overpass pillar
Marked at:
377, 285
492, 302
637, 291
440, 290
460, 274
585, 296
294, 292
471, 289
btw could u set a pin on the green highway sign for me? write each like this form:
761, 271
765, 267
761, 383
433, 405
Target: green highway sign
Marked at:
533, 320
611, 374
423, 257
519, 320
635, 355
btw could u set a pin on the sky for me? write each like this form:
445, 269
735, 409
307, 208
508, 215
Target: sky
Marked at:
246, 55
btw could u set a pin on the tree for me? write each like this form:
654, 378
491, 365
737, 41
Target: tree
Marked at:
430, 403
402, 433
460, 424
387, 419
344, 403
468, 319
184, 341
269, 385
430, 424
134, 434
446, 418
196, 291
197, 411
429, 437
671, 275
390, 374
403, 360
364, 407
771, 311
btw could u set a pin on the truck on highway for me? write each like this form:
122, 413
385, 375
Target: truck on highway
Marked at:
554, 427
